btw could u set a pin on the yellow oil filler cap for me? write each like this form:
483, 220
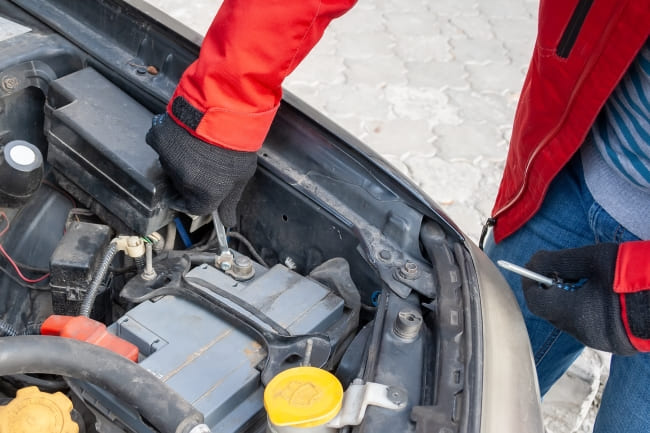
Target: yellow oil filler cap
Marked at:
35, 411
302, 397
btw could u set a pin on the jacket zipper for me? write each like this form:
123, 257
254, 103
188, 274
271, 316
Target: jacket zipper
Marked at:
491, 222
572, 29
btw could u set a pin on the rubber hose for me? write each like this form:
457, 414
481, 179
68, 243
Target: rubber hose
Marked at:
100, 273
6, 330
133, 385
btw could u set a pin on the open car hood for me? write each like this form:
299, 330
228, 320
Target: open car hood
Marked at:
354, 257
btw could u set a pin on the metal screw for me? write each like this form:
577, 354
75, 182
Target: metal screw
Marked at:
149, 272
407, 324
409, 271
225, 266
410, 267
396, 395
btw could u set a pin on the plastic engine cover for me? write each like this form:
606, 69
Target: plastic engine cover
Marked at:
210, 362
96, 135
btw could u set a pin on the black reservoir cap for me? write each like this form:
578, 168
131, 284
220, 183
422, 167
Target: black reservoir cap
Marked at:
21, 172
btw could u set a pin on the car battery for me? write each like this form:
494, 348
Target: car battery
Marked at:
209, 360
96, 145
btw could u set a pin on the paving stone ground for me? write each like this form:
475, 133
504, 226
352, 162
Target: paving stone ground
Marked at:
433, 87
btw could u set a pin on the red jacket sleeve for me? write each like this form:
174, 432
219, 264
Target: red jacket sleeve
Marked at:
230, 94
632, 275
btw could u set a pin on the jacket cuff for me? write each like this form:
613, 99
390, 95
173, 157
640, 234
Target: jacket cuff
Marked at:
632, 267
240, 131
632, 283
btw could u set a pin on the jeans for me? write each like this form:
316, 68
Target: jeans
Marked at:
570, 218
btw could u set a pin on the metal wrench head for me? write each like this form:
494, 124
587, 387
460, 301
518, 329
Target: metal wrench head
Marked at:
220, 230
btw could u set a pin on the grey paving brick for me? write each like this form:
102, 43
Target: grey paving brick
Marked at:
365, 45
329, 68
407, 23
474, 27
447, 182
519, 52
399, 136
421, 103
495, 78
503, 8
367, 19
363, 101
454, 8
472, 140
490, 108
378, 72
521, 29
471, 51
438, 75
423, 48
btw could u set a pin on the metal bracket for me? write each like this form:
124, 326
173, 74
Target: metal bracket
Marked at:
360, 395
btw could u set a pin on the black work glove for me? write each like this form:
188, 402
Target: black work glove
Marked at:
208, 177
584, 303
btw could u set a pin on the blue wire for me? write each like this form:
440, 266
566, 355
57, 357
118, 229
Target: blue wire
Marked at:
182, 232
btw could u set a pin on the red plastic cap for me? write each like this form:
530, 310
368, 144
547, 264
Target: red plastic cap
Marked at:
88, 330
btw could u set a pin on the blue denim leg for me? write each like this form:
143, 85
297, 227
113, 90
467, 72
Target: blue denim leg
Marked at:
562, 222
570, 218
625, 403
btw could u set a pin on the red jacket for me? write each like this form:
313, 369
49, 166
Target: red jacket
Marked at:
582, 51
236, 83
566, 86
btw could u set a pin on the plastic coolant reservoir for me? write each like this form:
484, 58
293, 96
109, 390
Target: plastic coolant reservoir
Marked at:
302, 399
35, 411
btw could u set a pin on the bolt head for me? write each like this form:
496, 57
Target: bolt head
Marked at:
407, 324
410, 268
396, 395
243, 261
384, 255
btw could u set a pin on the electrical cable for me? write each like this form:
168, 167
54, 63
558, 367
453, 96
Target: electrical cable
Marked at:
251, 249
20, 282
11, 261
185, 237
17, 269
95, 284
31, 268
4, 230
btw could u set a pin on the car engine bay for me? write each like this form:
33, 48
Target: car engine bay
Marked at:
328, 267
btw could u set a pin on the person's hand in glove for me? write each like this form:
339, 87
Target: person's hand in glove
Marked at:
208, 177
602, 297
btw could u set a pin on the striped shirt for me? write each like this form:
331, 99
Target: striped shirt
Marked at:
622, 131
